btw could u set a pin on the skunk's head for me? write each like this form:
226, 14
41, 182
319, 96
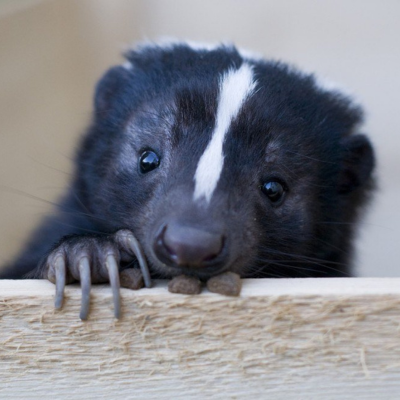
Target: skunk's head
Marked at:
220, 162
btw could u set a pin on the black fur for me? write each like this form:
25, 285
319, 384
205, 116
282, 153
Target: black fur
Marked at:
290, 130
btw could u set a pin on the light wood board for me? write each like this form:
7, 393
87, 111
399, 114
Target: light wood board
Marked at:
281, 339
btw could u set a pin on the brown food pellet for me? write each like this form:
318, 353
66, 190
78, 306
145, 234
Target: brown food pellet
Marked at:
227, 283
185, 285
131, 278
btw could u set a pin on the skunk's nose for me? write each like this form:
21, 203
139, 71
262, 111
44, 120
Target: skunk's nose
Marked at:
186, 246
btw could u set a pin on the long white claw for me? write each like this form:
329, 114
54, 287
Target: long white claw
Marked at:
84, 272
135, 247
60, 273
129, 244
113, 274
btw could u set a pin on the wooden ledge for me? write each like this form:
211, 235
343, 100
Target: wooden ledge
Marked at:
281, 339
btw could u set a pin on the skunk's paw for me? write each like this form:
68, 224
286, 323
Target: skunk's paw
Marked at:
95, 259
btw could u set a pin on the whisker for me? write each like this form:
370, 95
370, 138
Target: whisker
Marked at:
28, 195
302, 257
50, 167
311, 158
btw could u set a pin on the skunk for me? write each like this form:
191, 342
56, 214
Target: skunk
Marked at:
200, 161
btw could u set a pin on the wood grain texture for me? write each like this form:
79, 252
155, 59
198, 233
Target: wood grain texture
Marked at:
281, 339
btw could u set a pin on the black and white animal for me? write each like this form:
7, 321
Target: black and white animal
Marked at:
214, 161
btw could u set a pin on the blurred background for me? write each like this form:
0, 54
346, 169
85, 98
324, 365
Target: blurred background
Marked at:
53, 51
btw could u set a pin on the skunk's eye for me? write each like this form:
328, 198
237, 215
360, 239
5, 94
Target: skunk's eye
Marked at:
273, 190
148, 161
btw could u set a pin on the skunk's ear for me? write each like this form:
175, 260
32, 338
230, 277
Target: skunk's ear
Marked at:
109, 89
357, 164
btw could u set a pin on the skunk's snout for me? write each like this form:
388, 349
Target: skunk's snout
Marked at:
186, 246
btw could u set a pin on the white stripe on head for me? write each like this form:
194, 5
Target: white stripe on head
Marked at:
235, 87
